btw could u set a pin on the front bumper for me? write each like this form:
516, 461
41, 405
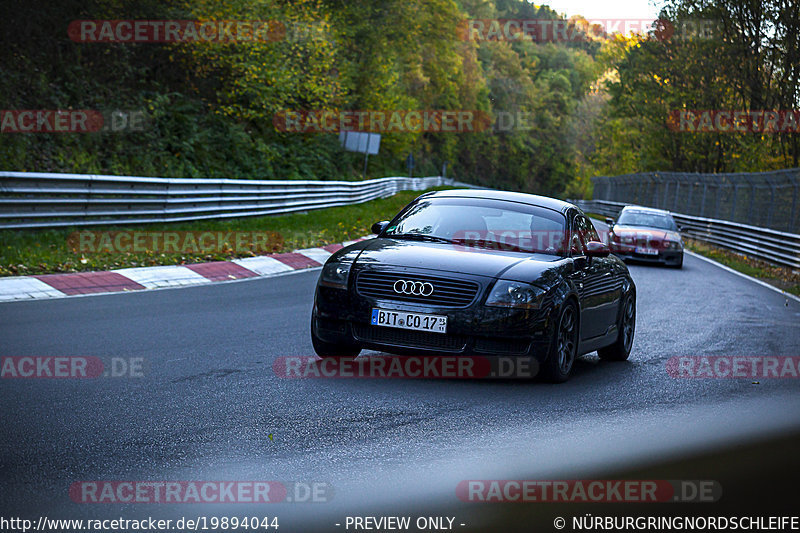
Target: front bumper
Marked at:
665, 257
344, 317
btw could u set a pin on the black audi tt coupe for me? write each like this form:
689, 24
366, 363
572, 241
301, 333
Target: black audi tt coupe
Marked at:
478, 273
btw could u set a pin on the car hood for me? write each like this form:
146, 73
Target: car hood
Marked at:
516, 266
648, 233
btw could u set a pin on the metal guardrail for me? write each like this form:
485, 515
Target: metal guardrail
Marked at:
773, 246
46, 200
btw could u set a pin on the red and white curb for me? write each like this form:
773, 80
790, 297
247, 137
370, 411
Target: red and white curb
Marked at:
136, 279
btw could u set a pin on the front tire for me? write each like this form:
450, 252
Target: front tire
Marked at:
330, 350
621, 349
564, 348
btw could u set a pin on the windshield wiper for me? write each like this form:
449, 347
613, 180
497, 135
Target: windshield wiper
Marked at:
420, 237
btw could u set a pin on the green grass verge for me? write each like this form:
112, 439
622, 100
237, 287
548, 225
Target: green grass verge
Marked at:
25, 252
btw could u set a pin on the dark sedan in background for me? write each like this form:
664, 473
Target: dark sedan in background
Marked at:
478, 273
646, 234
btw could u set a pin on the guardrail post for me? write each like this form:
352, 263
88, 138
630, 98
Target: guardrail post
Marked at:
677, 193
703, 201
165, 208
771, 203
652, 192
87, 203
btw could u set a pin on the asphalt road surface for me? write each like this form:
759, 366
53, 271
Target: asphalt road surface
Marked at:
209, 401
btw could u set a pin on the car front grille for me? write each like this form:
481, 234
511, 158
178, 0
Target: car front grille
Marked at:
447, 292
414, 339
648, 242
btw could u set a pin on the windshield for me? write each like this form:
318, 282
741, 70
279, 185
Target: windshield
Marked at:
482, 223
647, 220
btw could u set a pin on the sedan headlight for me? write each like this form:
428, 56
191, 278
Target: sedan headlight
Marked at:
335, 275
515, 294
672, 245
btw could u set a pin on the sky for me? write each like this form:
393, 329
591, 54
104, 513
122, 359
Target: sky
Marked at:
605, 9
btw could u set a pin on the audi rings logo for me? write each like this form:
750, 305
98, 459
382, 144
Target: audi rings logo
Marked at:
415, 288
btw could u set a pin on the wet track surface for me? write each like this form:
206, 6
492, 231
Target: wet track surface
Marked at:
210, 399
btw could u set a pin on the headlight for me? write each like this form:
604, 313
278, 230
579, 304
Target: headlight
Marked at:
672, 245
515, 294
335, 275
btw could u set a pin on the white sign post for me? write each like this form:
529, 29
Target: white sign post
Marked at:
362, 143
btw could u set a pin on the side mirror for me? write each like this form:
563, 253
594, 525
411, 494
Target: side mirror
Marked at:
609, 221
378, 227
680, 228
597, 249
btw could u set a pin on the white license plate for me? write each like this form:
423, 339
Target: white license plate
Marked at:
405, 320
646, 251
